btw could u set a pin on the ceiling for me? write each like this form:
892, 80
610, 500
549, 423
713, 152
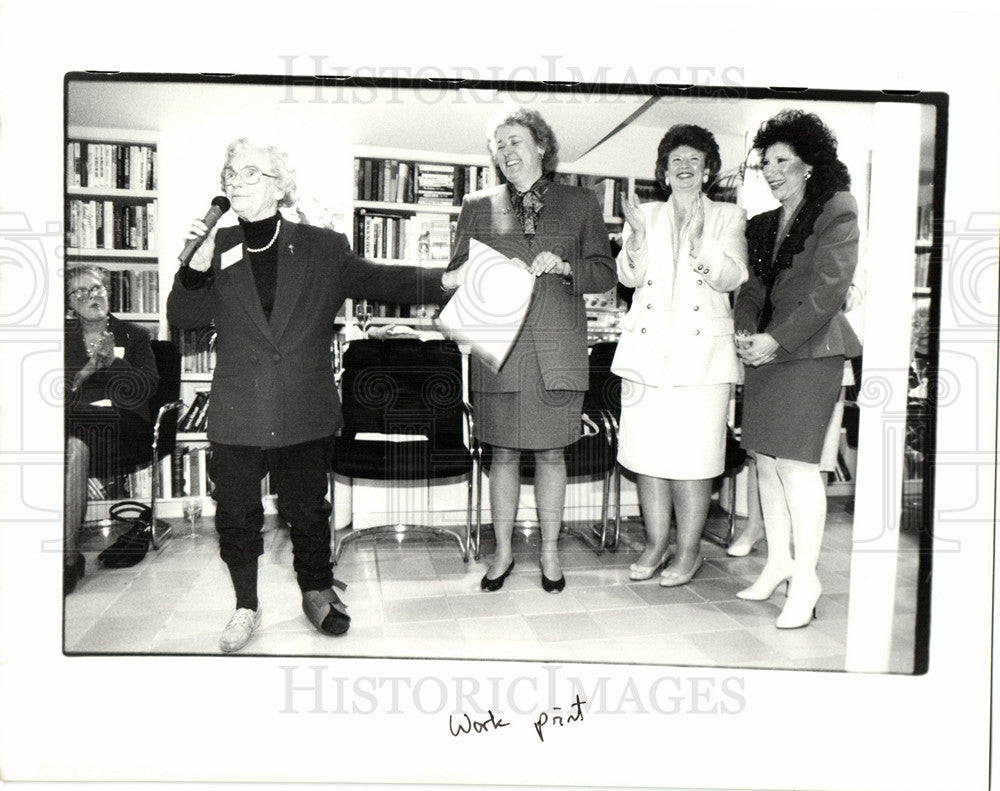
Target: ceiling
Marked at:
430, 118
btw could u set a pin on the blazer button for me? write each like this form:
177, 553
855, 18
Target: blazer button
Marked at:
643, 330
649, 282
697, 332
649, 306
698, 282
277, 356
696, 307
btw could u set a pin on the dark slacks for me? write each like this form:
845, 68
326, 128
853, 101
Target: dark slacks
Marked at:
298, 476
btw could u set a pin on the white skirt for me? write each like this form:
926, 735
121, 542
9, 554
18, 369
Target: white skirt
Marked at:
674, 432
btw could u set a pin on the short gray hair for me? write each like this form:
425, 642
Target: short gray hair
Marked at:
280, 167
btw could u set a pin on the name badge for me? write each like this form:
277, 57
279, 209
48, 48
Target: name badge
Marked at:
231, 256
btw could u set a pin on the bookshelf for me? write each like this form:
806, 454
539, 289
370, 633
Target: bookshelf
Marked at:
405, 207
111, 216
111, 221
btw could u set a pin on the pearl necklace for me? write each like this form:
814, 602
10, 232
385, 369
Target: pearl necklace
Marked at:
267, 246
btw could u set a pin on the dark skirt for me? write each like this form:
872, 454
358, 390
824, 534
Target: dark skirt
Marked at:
117, 439
531, 419
787, 407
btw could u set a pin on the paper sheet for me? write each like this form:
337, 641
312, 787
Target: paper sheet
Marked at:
488, 311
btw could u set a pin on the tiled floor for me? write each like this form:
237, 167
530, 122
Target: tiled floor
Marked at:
416, 598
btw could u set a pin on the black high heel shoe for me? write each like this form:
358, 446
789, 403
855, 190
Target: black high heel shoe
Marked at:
553, 586
495, 584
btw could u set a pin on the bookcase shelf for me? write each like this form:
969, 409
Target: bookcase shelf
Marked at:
408, 208
145, 256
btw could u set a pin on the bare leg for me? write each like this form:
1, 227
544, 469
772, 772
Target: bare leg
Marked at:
778, 528
505, 484
550, 496
75, 505
656, 501
753, 531
691, 501
805, 494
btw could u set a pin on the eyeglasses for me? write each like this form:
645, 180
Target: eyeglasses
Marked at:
83, 293
249, 175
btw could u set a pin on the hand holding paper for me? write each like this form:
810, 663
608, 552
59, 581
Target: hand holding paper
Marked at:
488, 310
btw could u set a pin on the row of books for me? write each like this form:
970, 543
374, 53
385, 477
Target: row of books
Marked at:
197, 349
608, 190
422, 237
921, 265
196, 417
377, 309
394, 181
111, 225
110, 165
925, 223
134, 291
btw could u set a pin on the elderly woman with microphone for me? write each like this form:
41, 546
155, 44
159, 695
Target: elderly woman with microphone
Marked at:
273, 288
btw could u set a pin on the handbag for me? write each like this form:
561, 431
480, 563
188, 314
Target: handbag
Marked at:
132, 545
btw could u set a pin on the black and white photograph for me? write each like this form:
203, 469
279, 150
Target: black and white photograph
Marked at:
664, 526
442, 411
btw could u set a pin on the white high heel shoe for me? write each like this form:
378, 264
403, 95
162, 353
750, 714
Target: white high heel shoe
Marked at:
767, 583
638, 573
744, 543
800, 608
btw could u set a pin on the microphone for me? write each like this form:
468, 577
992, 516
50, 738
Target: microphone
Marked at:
220, 205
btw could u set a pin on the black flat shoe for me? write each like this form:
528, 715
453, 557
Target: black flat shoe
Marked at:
553, 586
496, 584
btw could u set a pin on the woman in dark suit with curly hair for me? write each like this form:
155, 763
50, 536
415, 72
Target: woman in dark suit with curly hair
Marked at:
793, 338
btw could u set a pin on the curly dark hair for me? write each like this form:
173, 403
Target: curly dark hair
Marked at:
533, 121
815, 144
698, 138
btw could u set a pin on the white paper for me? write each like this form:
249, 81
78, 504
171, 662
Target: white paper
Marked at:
374, 436
488, 310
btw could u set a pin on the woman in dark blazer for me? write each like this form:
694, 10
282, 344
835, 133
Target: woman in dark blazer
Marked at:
273, 288
110, 375
793, 338
534, 401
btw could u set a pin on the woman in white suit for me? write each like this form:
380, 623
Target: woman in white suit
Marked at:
676, 354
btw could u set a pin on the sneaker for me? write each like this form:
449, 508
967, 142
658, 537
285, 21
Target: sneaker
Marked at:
238, 630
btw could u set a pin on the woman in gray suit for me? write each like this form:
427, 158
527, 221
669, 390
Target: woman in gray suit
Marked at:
534, 400
793, 338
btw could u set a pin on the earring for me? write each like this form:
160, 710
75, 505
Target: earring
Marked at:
808, 173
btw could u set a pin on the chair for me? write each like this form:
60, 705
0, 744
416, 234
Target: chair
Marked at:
735, 460
164, 404
593, 454
408, 387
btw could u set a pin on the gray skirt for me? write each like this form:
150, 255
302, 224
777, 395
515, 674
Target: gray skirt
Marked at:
787, 407
530, 419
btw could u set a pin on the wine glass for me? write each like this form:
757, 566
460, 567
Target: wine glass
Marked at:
364, 316
192, 512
